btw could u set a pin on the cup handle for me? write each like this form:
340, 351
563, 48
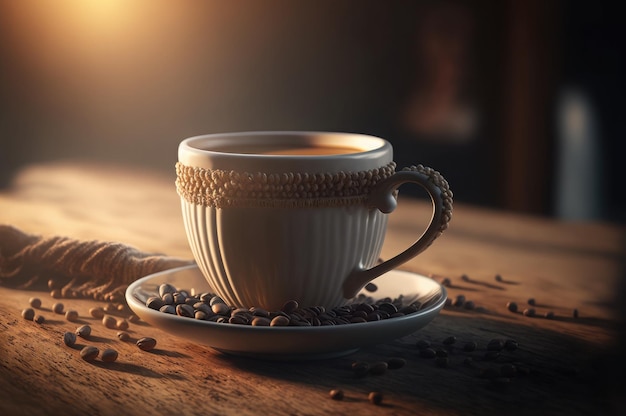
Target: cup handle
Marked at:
383, 197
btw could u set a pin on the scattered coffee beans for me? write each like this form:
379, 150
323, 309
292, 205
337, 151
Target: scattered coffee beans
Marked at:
146, 343
71, 315
532, 302
109, 355
56, 294
109, 322
28, 314
97, 312
35, 303
123, 336
575, 313
121, 324
530, 312
336, 394
395, 363
89, 353
375, 397
360, 368
69, 339
378, 368
58, 308
449, 340
83, 331
512, 306
39, 319
371, 287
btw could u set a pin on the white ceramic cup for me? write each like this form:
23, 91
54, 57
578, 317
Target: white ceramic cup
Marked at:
266, 226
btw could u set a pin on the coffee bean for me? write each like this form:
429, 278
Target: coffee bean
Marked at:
260, 321
109, 322
168, 309
56, 294
395, 363
166, 288
146, 343
371, 287
360, 368
495, 344
220, 309
184, 310
121, 324
532, 302
280, 320
499, 278
110, 308
133, 318
465, 278
449, 340
39, 319
375, 397
378, 368
168, 299
35, 303
238, 320
290, 307
69, 339
575, 313
459, 301
97, 312
83, 331
123, 335
336, 394
470, 305
440, 352
109, 355
510, 345
71, 315
530, 312
511, 306
58, 308
549, 315
28, 314
89, 353
155, 302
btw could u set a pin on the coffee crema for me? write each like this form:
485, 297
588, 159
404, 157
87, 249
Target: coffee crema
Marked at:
288, 150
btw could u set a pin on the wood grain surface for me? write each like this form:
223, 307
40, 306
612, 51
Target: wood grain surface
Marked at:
565, 365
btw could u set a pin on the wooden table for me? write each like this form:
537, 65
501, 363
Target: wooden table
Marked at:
565, 365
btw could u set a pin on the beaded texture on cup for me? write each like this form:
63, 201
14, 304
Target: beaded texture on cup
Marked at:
446, 193
221, 188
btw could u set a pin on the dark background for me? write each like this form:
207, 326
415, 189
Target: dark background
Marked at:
517, 103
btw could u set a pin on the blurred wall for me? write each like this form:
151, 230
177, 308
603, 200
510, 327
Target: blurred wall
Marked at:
467, 87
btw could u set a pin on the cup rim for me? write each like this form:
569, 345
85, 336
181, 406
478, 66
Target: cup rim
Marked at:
375, 151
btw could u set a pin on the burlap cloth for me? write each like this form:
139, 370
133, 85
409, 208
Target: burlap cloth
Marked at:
96, 269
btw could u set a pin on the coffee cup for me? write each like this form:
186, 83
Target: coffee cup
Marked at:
273, 217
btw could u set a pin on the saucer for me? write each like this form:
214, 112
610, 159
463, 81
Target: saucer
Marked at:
290, 342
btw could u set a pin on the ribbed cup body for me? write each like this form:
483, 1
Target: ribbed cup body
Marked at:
259, 256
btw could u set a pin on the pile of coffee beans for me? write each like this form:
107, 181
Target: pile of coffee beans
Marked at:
210, 307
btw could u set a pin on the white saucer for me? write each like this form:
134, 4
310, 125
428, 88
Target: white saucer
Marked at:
291, 342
